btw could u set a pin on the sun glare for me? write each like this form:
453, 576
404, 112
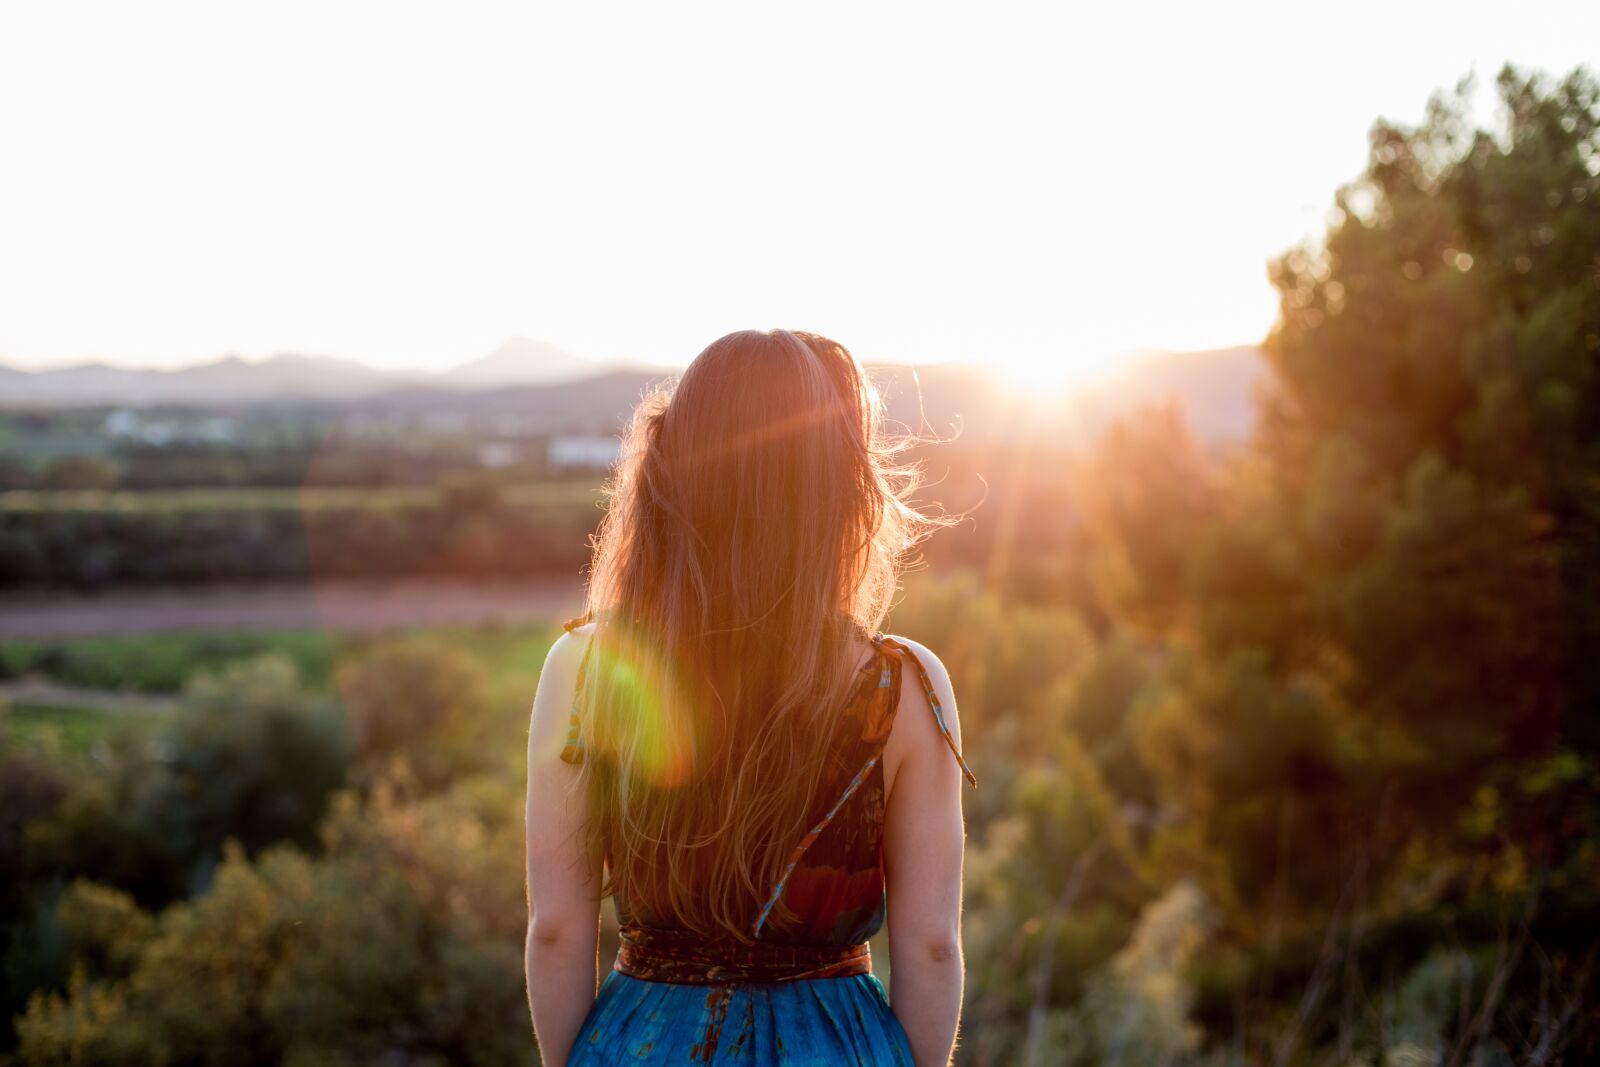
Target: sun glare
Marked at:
1050, 377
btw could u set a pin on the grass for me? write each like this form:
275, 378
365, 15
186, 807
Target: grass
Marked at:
556, 493
161, 662
69, 733
511, 655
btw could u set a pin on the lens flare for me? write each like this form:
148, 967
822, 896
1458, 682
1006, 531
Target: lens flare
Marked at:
640, 715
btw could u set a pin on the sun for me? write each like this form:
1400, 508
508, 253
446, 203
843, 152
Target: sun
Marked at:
1048, 376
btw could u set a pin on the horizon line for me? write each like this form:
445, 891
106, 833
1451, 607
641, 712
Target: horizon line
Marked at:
598, 364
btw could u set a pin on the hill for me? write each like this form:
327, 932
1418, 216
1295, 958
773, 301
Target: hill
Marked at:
540, 387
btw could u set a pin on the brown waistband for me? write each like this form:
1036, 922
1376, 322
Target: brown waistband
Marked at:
672, 956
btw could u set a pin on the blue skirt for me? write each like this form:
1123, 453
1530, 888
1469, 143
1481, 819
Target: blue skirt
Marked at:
800, 1023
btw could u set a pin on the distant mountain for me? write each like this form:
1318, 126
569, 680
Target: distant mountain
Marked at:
534, 384
290, 376
593, 405
522, 361
1215, 389
230, 380
937, 398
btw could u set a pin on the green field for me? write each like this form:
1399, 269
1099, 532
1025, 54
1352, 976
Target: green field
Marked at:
68, 733
159, 663
562, 494
510, 655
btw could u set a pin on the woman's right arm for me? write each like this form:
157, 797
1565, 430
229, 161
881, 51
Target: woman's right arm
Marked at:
924, 837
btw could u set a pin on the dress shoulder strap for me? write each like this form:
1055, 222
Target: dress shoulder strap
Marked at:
572, 751
933, 702
887, 678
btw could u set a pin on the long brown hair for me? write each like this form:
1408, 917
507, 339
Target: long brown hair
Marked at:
757, 524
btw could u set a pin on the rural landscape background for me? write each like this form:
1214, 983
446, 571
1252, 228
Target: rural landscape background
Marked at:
1277, 665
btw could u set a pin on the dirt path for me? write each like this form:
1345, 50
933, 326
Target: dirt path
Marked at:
339, 606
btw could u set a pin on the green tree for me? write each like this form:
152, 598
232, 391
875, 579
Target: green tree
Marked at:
1380, 618
253, 757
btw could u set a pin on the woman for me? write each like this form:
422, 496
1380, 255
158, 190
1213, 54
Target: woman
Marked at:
724, 743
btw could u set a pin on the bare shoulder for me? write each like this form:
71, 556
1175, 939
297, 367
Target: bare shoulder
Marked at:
558, 680
567, 649
915, 736
938, 677
930, 662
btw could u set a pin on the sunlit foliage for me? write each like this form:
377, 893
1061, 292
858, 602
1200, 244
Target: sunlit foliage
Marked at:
1305, 770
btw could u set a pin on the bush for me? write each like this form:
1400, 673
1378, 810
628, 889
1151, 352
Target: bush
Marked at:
420, 701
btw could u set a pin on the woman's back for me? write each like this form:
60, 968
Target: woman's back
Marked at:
677, 996
727, 749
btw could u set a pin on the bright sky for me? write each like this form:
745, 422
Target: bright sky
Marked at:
411, 184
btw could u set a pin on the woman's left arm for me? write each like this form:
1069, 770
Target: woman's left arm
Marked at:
563, 876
